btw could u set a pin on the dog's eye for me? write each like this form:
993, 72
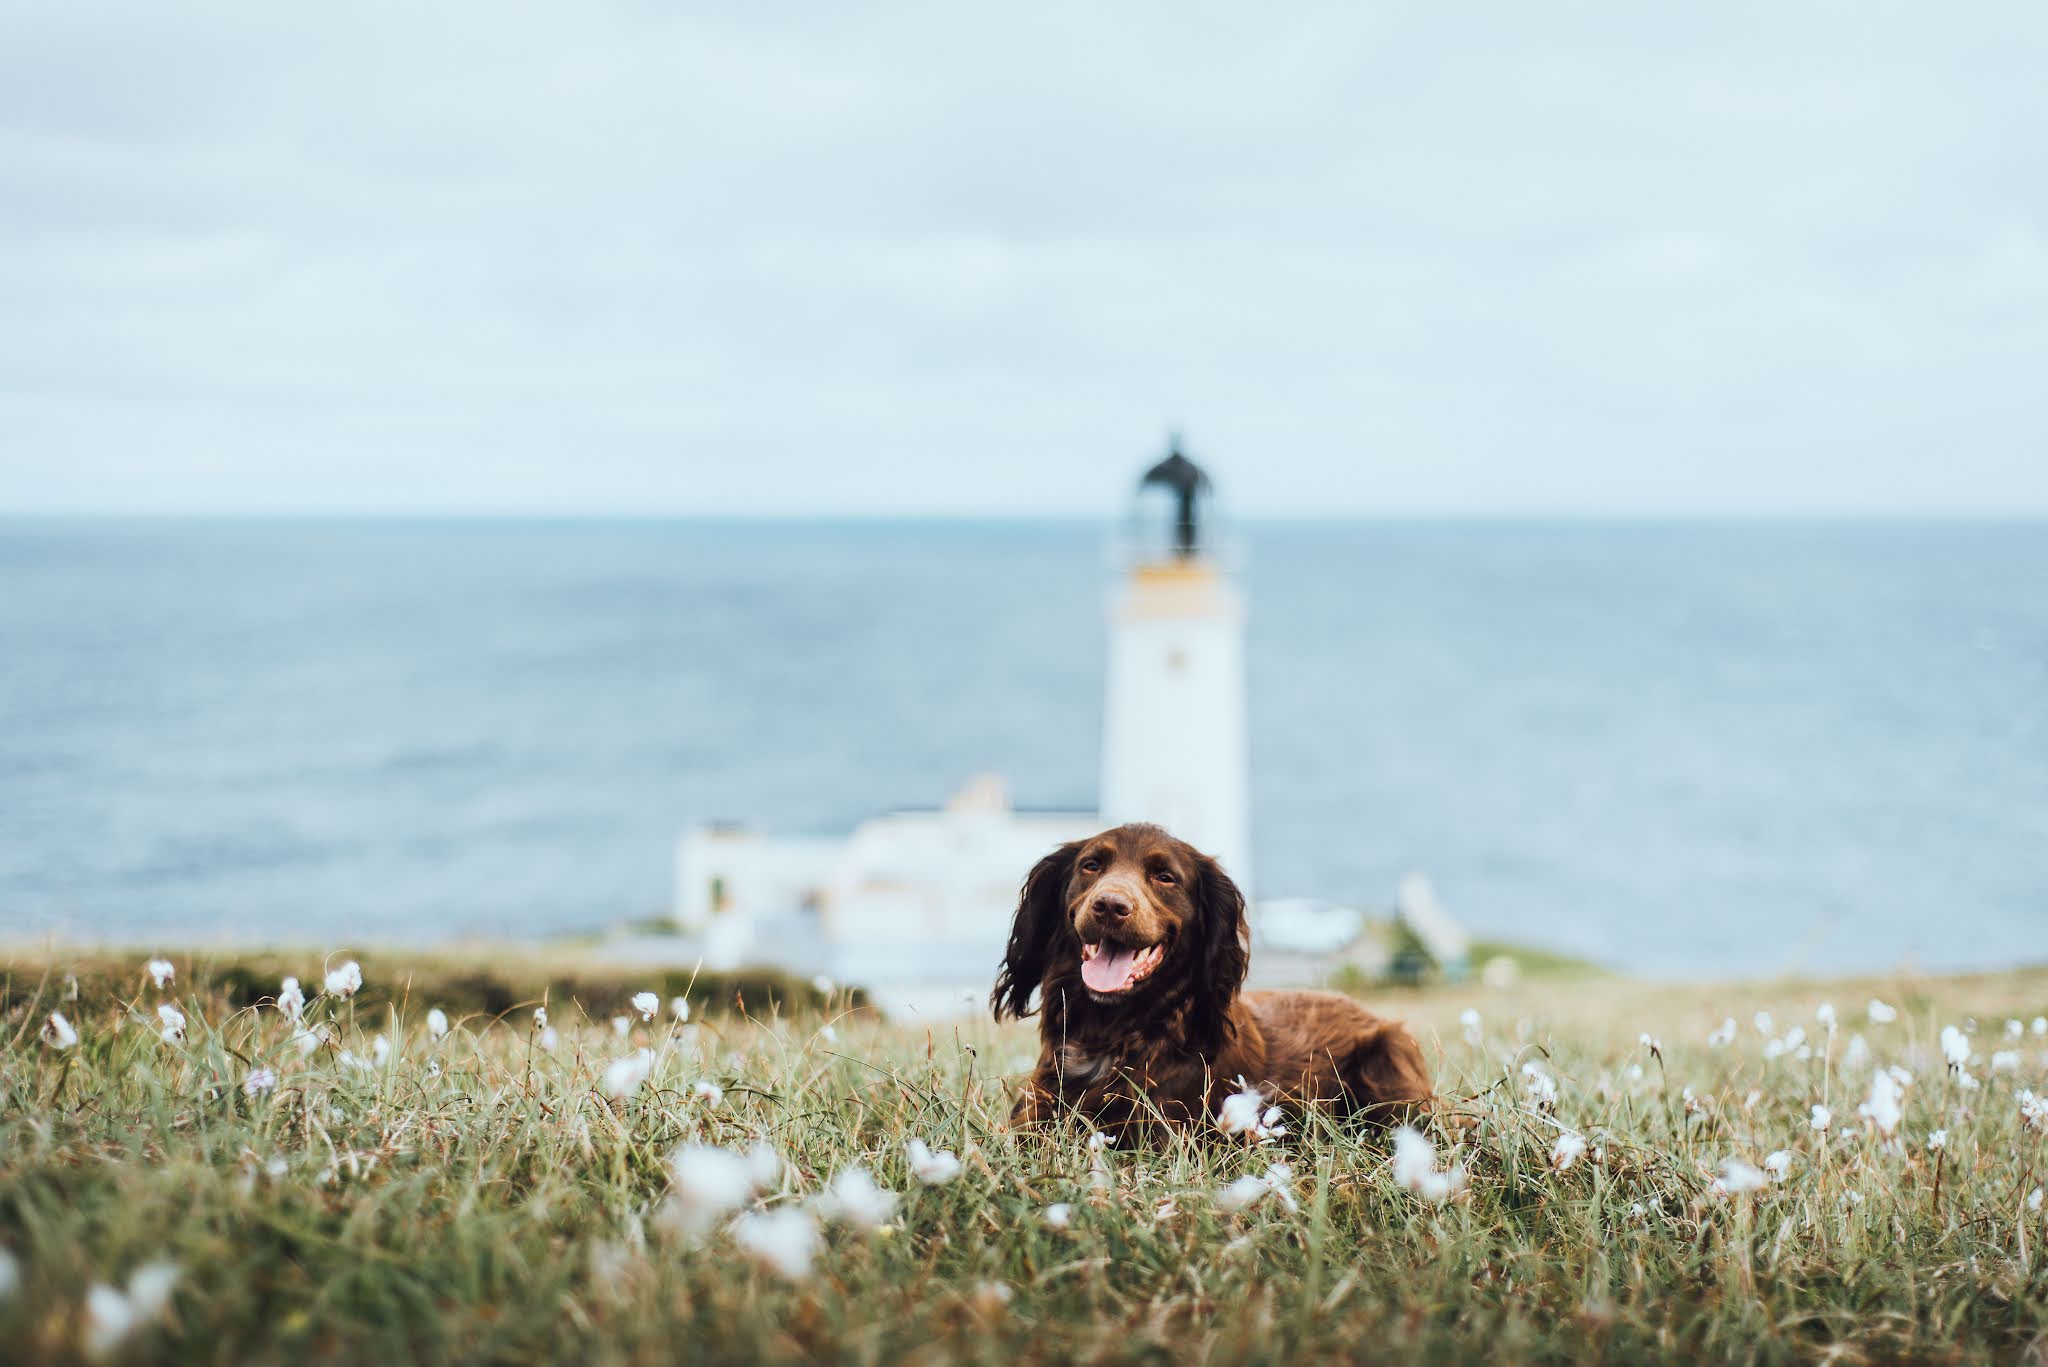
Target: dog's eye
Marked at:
1091, 866
1164, 876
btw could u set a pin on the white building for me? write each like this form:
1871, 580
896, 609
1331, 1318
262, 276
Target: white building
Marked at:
911, 901
916, 905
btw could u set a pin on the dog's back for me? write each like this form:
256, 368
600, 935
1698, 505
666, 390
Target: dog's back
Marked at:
1321, 1047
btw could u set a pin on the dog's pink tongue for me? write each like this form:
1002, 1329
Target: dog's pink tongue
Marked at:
1109, 970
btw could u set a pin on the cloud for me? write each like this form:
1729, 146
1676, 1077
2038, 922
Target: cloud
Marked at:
904, 258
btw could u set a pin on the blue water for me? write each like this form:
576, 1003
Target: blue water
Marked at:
1678, 749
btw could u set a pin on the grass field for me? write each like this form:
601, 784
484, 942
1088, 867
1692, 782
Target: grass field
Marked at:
477, 1196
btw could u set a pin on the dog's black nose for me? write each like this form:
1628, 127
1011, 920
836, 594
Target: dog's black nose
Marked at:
1112, 905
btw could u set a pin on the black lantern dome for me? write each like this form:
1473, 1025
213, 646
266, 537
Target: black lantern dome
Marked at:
1188, 485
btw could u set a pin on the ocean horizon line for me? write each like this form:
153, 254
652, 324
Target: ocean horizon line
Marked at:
744, 519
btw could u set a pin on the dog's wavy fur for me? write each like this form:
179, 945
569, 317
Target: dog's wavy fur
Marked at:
1166, 1053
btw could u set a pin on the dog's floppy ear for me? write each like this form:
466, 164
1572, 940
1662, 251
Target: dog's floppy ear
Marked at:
1224, 957
1041, 910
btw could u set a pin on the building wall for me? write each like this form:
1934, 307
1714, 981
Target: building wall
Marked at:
909, 897
1174, 748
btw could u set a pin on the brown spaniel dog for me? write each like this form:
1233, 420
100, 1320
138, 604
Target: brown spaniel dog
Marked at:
1135, 944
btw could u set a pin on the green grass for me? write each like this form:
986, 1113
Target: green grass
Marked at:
477, 1199
1532, 963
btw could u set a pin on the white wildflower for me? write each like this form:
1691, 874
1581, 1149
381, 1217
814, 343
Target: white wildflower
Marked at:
764, 1165
1955, 1046
1880, 1014
1414, 1156
707, 1091
932, 1169
1651, 1043
2040, 1025
622, 1026
291, 1001
1763, 1023
852, 1197
112, 1317
57, 1032
172, 1023
2034, 1199
540, 1018
1270, 1127
679, 1007
1937, 1141
1415, 1167
2005, 1061
2033, 1109
1778, 1163
1538, 1085
1569, 1149
380, 1051
1822, 1118
308, 1041
1246, 1191
1469, 1020
828, 1034
1900, 1076
785, 1239
1059, 1215
548, 1038
1724, 1036
437, 1023
646, 1003
109, 1319
1825, 1014
2013, 1029
259, 1081
1239, 1113
345, 981
161, 971
1738, 1178
1882, 1110
1966, 1080
1857, 1055
822, 985
622, 1077
706, 1183
1793, 1042
150, 1286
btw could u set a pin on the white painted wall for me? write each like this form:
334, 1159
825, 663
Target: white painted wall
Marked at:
1174, 746
907, 897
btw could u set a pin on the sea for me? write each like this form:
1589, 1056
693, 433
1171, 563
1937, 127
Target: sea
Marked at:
1683, 750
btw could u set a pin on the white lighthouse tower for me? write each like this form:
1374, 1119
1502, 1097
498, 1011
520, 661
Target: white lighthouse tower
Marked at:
1174, 748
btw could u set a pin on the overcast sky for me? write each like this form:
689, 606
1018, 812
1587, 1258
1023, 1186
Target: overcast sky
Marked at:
864, 258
